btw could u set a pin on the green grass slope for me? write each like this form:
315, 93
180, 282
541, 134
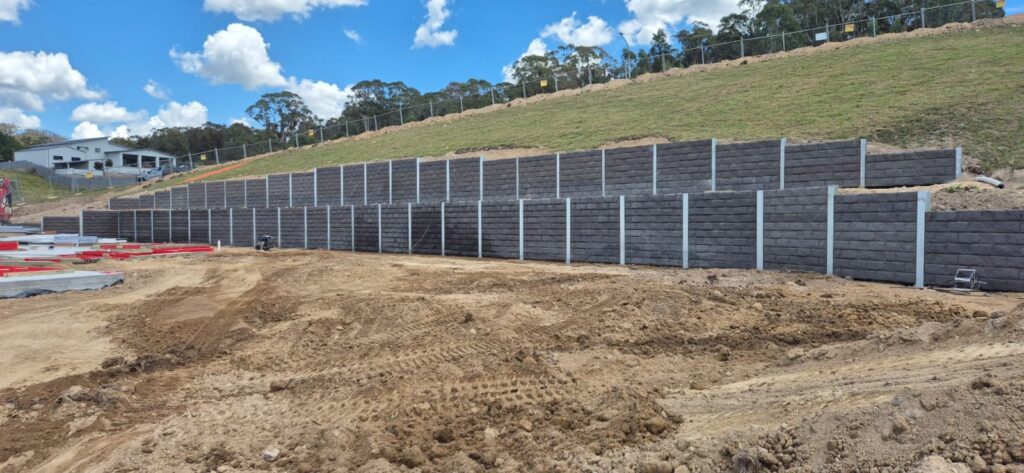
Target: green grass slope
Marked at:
36, 189
962, 88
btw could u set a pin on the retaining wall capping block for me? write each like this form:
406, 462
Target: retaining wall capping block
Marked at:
465, 179
433, 182
580, 174
499, 181
628, 171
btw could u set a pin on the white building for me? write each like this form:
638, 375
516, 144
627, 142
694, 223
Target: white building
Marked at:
96, 155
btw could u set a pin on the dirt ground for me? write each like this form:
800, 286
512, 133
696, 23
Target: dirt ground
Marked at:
317, 361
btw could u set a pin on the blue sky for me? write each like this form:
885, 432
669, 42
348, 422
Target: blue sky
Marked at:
80, 67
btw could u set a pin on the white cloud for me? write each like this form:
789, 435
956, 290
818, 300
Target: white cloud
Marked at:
354, 36
324, 99
234, 55
651, 15
18, 118
106, 112
273, 10
537, 47
87, 130
430, 34
595, 32
9, 9
243, 120
156, 90
29, 79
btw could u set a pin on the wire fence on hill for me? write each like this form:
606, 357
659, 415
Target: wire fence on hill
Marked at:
631, 67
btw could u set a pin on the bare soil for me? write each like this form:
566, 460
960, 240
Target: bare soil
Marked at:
318, 361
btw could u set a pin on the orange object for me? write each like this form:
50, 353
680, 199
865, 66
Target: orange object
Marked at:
214, 172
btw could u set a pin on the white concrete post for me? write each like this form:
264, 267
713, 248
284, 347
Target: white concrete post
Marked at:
760, 230
390, 187
290, 202
782, 163
352, 223
568, 231
603, 193
380, 236
481, 178
686, 231
479, 229
520, 229
622, 228
315, 185
654, 169
305, 226
830, 230
558, 175
206, 195
409, 220
714, 164
417, 180
231, 227
224, 185
960, 155
924, 202
328, 220
863, 162
442, 231
447, 181
279, 227
341, 186
517, 178
365, 198
170, 227
266, 191
135, 226
81, 222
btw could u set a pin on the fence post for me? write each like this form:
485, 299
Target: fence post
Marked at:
874, 27
830, 230
224, 185
266, 191
480, 229
686, 231
352, 223
346, 129
442, 231
782, 163
316, 184
461, 107
431, 109
654, 170
556, 83
321, 135
216, 155
409, 218
328, 228
863, 162
481, 178
568, 230
279, 227
447, 180
341, 185
783, 42
622, 229
923, 24
603, 193
305, 228
558, 175
401, 116
742, 49
206, 195
417, 180
520, 229
524, 89
959, 161
517, 178
245, 152
590, 76
714, 159
492, 97
380, 234
924, 201
760, 230
270, 145
974, 11
290, 201
375, 125
365, 193
702, 54
245, 192
170, 227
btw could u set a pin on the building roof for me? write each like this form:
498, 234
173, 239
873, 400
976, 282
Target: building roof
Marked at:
69, 143
140, 150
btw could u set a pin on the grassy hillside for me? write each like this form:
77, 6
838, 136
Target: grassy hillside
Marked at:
36, 189
964, 88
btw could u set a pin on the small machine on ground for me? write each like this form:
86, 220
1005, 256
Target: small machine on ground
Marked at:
264, 243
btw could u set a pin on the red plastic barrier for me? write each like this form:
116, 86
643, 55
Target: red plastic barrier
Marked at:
8, 245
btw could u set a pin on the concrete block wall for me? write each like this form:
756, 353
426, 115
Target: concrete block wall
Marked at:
499, 225
460, 229
328, 186
796, 229
355, 189
126, 225
200, 224
654, 230
824, 164
537, 177
220, 226
266, 223
147, 201
366, 233
341, 227
256, 193
292, 231
580, 174
99, 223
426, 229
629, 171
122, 203
991, 242
377, 191
723, 230
500, 182
464, 179
144, 225
594, 229
215, 194
234, 194
404, 181
684, 167
316, 227
544, 229
912, 168
433, 182
242, 227
278, 186
753, 165
302, 189
179, 226
161, 224
179, 197
875, 236
394, 227
162, 200
197, 195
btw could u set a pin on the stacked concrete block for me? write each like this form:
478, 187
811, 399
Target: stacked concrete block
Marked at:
460, 228
499, 229
220, 226
629, 171
723, 230
200, 224
654, 230
197, 196
990, 242
404, 181
179, 226
266, 223
179, 197
500, 181
544, 235
876, 236
302, 189
293, 231
426, 229
537, 177
433, 182
753, 165
99, 223
830, 163
256, 193
394, 225
147, 201
328, 187
464, 179
366, 233
161, 226
341, 228
355, 189
377, 185
911, 168
162, 200
242, 227
235, 194
215, 195
122, 203
278, 190
126, 225
316, 227
580, 174
796, 229
684, 167
144, 226
594, 227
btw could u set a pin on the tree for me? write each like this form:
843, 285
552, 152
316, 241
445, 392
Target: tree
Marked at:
691, 42
8, 143
661, 52
381, 99
282, 114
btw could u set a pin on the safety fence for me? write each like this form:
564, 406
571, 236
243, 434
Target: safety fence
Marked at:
891, 237
670, 168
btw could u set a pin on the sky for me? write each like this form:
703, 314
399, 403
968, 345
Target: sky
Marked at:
122, 67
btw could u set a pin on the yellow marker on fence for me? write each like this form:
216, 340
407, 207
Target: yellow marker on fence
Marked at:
544, 83
202, 157
1000, 4
88, 175
310, 133
849, 28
